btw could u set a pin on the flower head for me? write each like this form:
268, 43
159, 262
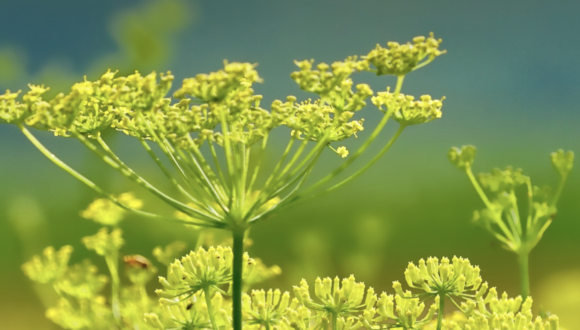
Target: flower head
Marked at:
50, 266
399, 59
462, 157
265, 309
406, 110
343, 298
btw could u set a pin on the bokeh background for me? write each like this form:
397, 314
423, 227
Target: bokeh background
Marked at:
511, 78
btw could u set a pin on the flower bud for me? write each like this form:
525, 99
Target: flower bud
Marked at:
462, 158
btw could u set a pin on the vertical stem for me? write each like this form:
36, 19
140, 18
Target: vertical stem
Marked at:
238, 250
115, 285
523, 260
210, 311
441, 310
334, 321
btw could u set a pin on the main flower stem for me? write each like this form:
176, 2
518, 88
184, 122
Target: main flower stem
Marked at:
441, 310
523, 261
238, 267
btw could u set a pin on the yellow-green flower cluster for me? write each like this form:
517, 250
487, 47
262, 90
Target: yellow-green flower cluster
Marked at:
83, 314
336, 298
518, 230
315, 121
457, 278
399, 59
201, 270
48, 267
197, 270
103, 242
81, 281
260, 272
406, 110
501, 313
166, 255
80, 304
332, 83
265, 309
191, 313
406, 313
562, 162
463, 157
105, 212
217, 86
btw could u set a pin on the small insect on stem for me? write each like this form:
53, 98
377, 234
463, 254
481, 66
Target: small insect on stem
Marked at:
137, 261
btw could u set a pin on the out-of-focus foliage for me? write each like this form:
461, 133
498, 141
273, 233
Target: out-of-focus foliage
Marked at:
12, 65
145, 36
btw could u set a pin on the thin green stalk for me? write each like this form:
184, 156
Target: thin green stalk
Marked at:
298, 178
165, 150
334, 321
218, 166
279, 164
281, 205
199, 201
93, 186
320, 145
294, 158
169, 152
259, 163
238, 264
178, 157
530, 206
144, 297
488, 204
441, 310
207, 178
115, 285
109, 158
364, 146
370, 163
104, 194
210, 312
523, 261
246, 161
206, 169
559, 190
228, 151
166, 172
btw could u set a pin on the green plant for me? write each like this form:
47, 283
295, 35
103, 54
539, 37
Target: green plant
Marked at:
518, 231
192, 297
214, 133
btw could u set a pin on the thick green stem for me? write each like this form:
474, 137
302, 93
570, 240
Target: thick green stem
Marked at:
238, 267
523, 261
115, 285
210, 312
334, 321
441, 311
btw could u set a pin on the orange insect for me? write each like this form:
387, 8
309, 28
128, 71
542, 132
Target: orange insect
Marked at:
137, 261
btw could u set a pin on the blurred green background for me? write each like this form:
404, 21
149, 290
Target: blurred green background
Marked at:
511, 78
